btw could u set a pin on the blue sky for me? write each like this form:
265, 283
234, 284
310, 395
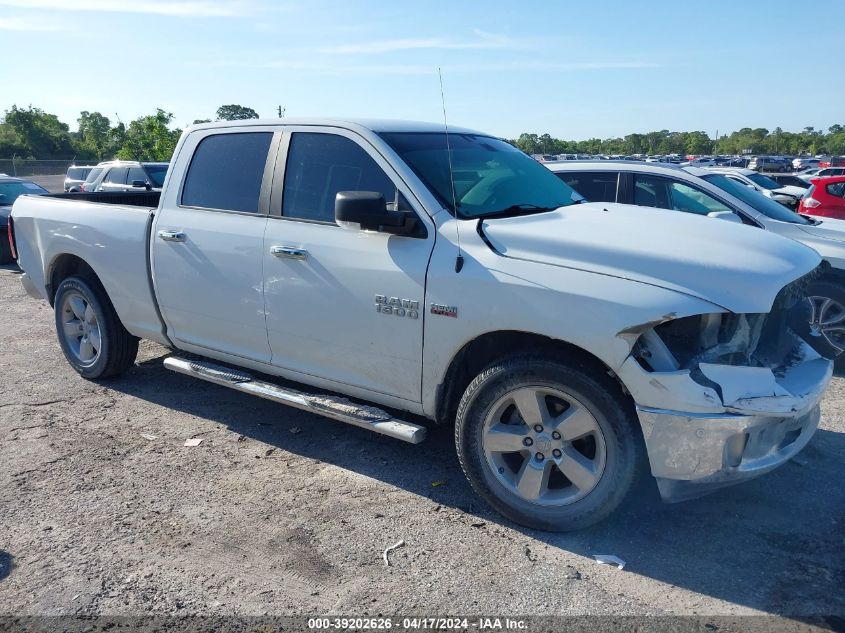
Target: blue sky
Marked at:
573, 69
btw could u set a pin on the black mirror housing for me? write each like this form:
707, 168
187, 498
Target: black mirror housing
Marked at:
368, 210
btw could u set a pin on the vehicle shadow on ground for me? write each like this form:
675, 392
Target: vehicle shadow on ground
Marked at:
7, 563
773, 544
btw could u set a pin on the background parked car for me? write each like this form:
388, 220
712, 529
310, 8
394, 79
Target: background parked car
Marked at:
788, 195
825, 197
125, 175
832, 161
788, 179
10, 189
76, 175
822, 173
804, 162
710, 192
769, 163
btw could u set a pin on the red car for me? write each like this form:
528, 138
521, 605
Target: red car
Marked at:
831, 161
826, 197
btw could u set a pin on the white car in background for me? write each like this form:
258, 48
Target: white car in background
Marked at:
713, 193
804, 162
821, 173
788, 195
701, 161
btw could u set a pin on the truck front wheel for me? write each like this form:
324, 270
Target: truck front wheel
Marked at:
546, 443
90, 333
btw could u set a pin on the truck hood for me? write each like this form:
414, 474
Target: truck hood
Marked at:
737, 267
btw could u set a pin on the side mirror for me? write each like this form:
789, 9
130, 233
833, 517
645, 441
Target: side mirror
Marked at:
141, 183
724, 215
367, 210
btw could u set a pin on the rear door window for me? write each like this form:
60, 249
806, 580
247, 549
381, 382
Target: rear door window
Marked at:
837, 189
595, 186
651, 191
117, 175
136, 173
321, 165
226, 172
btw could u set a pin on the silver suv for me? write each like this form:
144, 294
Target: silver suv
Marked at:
770, 163
127, 175
76, 175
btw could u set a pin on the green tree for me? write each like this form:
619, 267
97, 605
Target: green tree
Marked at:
10, 142
235, 112
149, 138
698, 143
528, 143
94, 139
41, 135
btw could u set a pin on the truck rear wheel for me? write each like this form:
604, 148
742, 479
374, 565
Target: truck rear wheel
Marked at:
547, 444
90, 333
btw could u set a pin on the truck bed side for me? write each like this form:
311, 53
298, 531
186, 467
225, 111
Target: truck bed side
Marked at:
113, 239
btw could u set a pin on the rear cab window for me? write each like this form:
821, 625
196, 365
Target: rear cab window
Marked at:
226, 172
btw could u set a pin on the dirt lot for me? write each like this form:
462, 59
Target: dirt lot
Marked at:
104, 511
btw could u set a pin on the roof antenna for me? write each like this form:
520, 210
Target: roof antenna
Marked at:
459, 261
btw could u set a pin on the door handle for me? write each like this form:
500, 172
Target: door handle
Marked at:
289, 252
172, 236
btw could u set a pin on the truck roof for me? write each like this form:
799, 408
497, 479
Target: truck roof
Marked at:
373, 125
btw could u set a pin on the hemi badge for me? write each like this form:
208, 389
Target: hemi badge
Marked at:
444, 310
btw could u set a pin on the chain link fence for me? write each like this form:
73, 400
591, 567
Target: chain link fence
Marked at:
24, 167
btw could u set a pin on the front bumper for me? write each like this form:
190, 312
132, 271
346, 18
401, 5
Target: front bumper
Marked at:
692, 454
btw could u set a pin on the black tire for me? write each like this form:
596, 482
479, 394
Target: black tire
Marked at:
5, 248
599, 394
118, 348
836, 292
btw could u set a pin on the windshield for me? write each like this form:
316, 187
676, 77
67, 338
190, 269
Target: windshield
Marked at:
763, 181
9, 191
93, 175
490, 176
156, 174
78, 173
755, 199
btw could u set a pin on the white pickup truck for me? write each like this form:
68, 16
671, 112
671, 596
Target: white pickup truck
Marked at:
363, 271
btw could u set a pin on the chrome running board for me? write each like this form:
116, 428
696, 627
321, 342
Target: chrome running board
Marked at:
333, 407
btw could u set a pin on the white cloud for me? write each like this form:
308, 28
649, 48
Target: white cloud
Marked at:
424, 69
26, 24
181, 8
482, 41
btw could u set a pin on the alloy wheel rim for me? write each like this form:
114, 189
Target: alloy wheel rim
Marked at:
80, 328
828, 320
544, 446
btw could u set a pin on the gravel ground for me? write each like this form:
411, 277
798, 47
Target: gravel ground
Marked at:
103, 510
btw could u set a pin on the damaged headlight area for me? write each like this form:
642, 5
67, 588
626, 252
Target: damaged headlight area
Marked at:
750, 360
